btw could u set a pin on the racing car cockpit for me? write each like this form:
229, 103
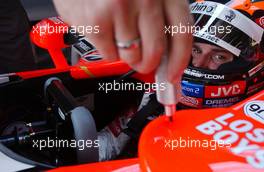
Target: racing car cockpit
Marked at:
52, 117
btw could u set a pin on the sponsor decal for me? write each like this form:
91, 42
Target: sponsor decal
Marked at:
191, 101
222, 43
198, 74
235, 18
236, 88
244, 138
193, 90
207, 36
83, 47
255, 110
203, 7
260, 21
230, 16
221, 102
92, 57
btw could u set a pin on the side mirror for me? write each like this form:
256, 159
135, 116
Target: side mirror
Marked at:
49, 34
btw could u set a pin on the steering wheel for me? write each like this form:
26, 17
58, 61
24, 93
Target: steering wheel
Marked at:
76, 118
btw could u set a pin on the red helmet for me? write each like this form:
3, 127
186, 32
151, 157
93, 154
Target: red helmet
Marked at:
227, 63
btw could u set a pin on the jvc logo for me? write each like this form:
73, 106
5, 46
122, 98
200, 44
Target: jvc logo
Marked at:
227, 91
234, 89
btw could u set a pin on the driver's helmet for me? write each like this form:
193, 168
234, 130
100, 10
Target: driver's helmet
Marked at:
227, 63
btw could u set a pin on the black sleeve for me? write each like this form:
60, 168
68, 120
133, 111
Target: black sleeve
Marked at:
15, 48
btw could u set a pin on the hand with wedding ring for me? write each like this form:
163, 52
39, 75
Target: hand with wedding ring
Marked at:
134, 30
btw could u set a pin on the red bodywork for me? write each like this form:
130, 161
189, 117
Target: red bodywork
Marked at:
156, 154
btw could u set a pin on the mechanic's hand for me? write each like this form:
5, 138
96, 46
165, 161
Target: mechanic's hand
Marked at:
127, 20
